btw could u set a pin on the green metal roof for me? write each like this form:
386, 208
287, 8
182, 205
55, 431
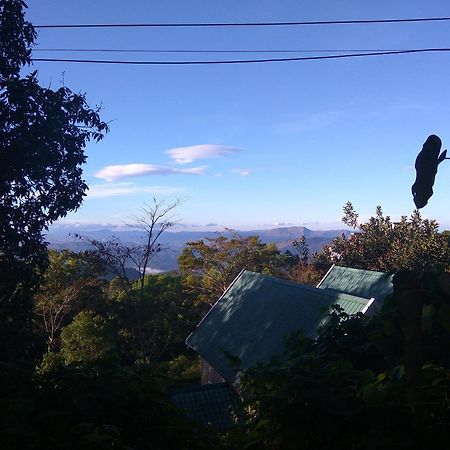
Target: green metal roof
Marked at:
213, 404
254, 315
362, 283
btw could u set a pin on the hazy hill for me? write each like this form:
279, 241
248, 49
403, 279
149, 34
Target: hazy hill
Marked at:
61, 237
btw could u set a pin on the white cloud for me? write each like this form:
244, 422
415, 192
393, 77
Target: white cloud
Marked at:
116, 172
192, 170
119, 189
185, 155
242, 172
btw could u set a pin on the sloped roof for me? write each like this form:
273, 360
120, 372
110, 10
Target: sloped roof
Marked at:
253, 316
362, 283
208, 404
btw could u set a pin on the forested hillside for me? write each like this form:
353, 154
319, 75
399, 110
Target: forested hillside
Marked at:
91, 352
63, 238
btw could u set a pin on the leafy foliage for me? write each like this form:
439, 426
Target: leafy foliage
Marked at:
71, 283
88, 339
305, 271
211, 265
380, 244
51, 361
154, 326
147, 327
16, 37
182, 367
350, 215
92, 408
308, 274
43, 133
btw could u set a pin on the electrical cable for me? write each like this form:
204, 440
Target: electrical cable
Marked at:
242, 61
123, 50
245, 24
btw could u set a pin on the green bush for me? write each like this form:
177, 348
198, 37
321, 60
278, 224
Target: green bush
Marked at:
51, 361
88, 339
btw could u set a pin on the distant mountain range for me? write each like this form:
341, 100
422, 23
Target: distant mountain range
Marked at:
62, 237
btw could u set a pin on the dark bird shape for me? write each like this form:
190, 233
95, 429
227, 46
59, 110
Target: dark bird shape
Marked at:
427, 162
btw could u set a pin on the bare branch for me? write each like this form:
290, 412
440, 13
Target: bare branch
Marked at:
155, 218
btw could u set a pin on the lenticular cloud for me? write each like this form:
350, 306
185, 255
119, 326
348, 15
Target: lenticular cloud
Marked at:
120, 171
186, 155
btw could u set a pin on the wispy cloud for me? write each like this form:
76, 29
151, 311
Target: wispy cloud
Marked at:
356, 109
315, 121
120, 189
242, 172
186, 155
117, 172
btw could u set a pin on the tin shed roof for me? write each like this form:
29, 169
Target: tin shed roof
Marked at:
254, 315
210, 404
362, 283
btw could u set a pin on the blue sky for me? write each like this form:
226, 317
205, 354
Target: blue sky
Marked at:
255, 145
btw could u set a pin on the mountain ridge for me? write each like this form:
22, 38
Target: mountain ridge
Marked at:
60, 238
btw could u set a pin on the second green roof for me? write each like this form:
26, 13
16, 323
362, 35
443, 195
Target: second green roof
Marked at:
362, 283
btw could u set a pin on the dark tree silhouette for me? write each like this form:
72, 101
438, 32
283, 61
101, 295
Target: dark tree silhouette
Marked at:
43, 133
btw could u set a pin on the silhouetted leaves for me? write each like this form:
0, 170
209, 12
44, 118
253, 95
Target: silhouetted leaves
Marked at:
16, 37
96, 408
43, 133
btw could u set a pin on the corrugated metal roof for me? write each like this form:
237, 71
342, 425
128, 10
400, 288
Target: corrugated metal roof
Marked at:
254, 315
362, 283
349, 303
212, 404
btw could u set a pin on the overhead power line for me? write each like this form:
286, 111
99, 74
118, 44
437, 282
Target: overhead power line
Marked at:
124, 50
242, 61
243, 24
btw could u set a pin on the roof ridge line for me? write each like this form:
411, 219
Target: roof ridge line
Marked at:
212, 307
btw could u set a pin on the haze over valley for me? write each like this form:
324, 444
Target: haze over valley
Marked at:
63, 237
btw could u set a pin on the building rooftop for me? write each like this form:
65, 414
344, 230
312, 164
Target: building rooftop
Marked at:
362, 283
210, 404
253, 316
